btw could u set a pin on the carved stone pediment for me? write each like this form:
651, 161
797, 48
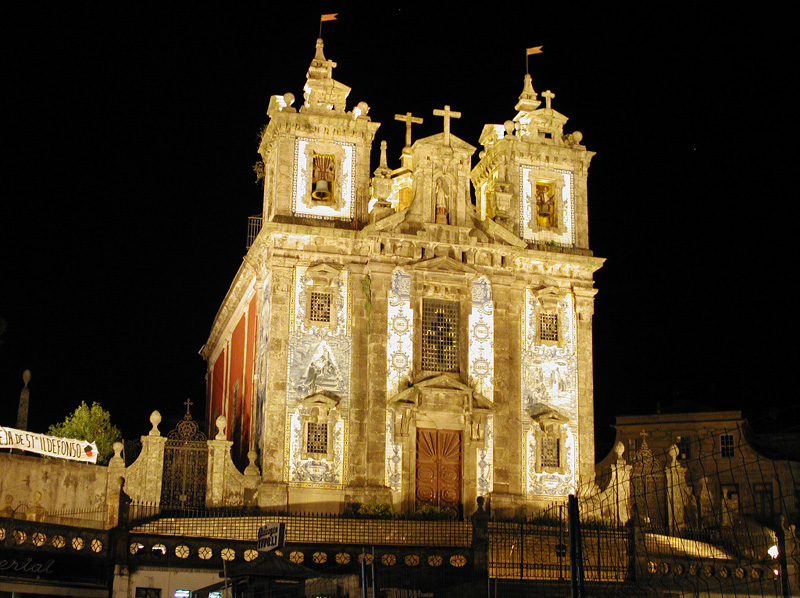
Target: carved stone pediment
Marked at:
323, 402
442, 264
444, 394
443, 382
438, 140
323, 271
545, 415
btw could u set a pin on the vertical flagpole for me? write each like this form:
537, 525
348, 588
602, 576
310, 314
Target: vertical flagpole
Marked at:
528, 52
328, 17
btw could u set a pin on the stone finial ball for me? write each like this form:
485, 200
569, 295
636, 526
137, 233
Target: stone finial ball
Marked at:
222, 423
117, 446
288, 98
577, 136
509, 126
155, 419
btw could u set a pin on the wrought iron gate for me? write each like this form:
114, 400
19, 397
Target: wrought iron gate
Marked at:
183, 484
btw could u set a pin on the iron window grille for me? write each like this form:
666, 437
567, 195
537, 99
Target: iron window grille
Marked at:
440, 346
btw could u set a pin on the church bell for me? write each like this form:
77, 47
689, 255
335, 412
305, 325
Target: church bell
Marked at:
321, 191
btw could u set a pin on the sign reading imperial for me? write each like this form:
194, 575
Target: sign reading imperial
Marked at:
62, 448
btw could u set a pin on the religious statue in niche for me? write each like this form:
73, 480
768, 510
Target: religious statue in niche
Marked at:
544, 193
442, 197
323, 178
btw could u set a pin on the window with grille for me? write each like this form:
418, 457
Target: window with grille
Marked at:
726, 445
316, 437
440, 335
551, 452
548, 327
319, 308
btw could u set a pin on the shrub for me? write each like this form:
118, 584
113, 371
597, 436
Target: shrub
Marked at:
432, 513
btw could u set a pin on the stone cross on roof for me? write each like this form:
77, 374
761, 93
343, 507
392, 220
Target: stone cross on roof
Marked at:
188, 403
548, 97
409, 119
447, 114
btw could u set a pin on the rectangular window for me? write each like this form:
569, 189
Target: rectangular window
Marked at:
316, 438
148, 592
440, 335
319, 309
726, 445
551, 452
548, 327
730, 503
762, 499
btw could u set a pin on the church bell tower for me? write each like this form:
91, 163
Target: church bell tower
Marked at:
421, 335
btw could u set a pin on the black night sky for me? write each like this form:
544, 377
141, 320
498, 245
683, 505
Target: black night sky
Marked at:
130, 133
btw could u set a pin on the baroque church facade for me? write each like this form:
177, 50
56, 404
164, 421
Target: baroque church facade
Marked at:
415, 336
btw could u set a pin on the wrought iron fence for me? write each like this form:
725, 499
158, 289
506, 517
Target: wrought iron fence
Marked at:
243, 524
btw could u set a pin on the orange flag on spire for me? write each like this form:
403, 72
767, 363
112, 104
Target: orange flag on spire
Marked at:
535, 50
330, 17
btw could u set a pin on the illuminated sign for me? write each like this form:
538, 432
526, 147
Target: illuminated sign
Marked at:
271, 536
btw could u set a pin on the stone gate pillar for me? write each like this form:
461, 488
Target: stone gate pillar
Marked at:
143, 478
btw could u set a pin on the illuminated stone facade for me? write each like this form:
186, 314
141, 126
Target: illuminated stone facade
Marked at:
395, 337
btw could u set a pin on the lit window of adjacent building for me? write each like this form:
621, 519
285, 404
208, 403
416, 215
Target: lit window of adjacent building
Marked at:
440, 325
148, 592
726, 445
319, 309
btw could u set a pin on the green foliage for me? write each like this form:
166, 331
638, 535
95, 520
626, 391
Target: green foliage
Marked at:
92, 424
260, 171
546, 519
597, 523
432, 513
379, 510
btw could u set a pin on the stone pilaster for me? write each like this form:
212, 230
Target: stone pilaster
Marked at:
584, 306
143, 477
114, 480
274, 451
224, 483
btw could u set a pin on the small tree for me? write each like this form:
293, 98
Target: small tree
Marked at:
92, 424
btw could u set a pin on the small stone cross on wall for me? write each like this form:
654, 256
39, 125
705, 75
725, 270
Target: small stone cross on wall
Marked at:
548, 98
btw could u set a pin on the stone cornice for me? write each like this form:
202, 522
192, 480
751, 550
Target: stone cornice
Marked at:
280, 243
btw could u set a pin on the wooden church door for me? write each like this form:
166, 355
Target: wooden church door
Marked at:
439, 469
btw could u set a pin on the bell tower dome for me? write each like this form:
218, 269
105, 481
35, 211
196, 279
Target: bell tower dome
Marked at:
531, 178
316, 159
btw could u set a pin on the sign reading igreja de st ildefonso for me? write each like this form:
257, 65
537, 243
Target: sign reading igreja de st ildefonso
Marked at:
62, 448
